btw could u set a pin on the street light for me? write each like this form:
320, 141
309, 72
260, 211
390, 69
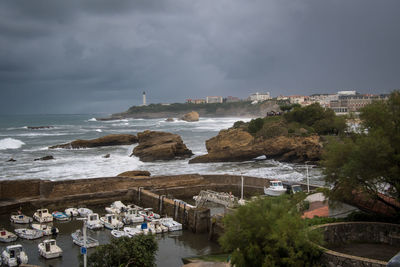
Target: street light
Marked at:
84, 248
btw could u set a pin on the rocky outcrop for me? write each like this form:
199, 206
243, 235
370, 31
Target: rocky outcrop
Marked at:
39, 127
108, 140
11, 160
169, 119
191, 116
160, 146
45, 158
238, 145
134, 174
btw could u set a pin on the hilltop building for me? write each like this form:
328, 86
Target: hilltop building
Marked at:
231, 99
214, 99
259, 96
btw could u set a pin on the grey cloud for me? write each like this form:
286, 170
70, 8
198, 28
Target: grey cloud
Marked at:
98, 55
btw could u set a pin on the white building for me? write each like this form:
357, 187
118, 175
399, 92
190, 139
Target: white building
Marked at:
259, 96
346, 93
214, 99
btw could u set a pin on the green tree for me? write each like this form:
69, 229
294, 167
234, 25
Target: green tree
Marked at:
269, 232
255, 125
369, 161
123, 252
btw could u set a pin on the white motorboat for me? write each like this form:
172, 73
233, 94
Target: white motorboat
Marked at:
132, 216
93, 222
84, 212
144, 228
20, 218
148, 214
171, 224
29, 233
132, 231
275, 189
77, 238
7, 236
119, 233
157, 223
72, 212
14, 255
42, 216
111, 222
116, 207
46, 229
59, 215
49, 249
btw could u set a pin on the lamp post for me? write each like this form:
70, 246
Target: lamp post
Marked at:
308, 180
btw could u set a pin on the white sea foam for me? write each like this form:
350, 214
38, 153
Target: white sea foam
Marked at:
92, 119
99, 130
10, 143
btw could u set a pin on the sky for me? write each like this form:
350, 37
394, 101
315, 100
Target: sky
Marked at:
98, 56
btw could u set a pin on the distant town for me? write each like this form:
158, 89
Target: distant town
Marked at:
343, 102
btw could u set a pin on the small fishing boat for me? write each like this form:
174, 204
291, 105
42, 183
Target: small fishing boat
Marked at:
59, 215
275, 189
116, 207
119, 233
42, 216
144, 228
84, 212
153, 228
29, 233
77, 238
7, 236
72, 212
111, 222
20, 218
132, 231
171, 224
46, 229
132, 216
14, 255
49, 249
148, 214
93, 222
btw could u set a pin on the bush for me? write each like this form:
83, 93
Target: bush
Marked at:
269, 232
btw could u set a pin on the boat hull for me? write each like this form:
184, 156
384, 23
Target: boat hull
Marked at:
274, 192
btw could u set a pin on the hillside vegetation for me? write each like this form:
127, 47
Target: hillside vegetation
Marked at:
299, 121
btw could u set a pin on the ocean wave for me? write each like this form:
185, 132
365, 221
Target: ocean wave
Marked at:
99, 130
10, 143
92, 119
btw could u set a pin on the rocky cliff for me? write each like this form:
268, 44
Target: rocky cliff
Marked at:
155, 145
239, 145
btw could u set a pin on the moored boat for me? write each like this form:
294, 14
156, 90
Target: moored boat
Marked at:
132, 216
84, 212
59, 215
77, 238
171, 224
14, 255
132, 231
49, 249
71, 212
43, 215
29, 233
7, 236
46, 229
93, 222
119, 233
275, 189
20, 218
148, 214
116, 207
111, 222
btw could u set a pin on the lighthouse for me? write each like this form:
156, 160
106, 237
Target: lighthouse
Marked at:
144, 98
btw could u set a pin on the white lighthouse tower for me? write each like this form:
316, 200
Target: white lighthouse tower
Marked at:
144, 98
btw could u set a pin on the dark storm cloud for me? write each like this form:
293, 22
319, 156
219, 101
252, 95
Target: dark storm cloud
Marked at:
99, 55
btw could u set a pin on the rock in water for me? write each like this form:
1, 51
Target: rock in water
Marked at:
45, 158
155, 145
134, 174
238, 145
11, 160
106, 156
108, 140
191, 116
169, 119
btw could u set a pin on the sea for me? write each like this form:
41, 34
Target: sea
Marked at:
24, 145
